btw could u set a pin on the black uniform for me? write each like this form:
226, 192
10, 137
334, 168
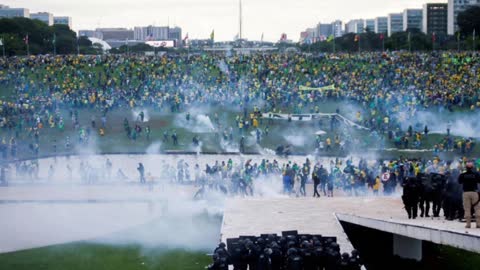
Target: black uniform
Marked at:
411, 196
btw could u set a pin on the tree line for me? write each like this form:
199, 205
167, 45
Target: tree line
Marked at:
22, 36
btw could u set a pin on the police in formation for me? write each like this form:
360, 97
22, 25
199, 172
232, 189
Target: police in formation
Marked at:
455, 193
288, 252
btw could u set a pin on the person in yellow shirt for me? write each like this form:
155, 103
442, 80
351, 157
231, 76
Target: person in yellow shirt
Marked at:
376, 186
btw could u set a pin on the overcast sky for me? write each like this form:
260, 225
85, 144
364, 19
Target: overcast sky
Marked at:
200, 17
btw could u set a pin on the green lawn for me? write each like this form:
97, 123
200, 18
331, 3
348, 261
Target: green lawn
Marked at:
85, 256
280, 133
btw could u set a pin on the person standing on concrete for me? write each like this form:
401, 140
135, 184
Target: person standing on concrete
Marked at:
141, 171
470, 180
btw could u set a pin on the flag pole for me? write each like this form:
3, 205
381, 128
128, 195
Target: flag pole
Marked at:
28, 47
54, 44
474, 41
333, 44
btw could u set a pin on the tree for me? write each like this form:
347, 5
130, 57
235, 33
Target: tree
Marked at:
41, 37
469, 20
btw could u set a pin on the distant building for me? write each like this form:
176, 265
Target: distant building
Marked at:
309, 36
370, 24
151, 33
324, 30
337, 28
412, 19
381, 25
355, 26
435, 18
175, 33
90, 34
108, 34
455, 7
7, 12
395, 23
45, 17
63, 20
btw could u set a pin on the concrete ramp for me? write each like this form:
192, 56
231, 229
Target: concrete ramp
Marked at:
307, 215
323, 216
437, 232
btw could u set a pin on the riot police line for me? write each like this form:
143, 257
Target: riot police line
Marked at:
290, 251
435, 192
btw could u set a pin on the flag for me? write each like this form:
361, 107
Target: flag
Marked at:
212, 35
382, 37
357, 38
26, 39
330, 38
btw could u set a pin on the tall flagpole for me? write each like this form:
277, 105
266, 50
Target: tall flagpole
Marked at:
474, 45
54, 44
28, 46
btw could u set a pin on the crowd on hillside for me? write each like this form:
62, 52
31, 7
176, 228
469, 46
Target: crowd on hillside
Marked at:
391, 87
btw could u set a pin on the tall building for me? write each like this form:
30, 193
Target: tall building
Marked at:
175, 33
435, 18
7, 12
381, 25
151, 33
337, 28
412, 19
63, 20
108, 34
45, 17
355, 26
395, 23
455, 7
324, 30
370, 24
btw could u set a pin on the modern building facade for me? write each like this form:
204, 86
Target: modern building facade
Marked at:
337, 28
324, 30
412, 19
65, 20
355, 26
370, 24
151, 33
175, 33
108, 34
90, 34
45, 17
381, 25
435, 18
395, 23
454, 8
7, 12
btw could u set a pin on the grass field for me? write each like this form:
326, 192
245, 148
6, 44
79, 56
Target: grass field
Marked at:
300, 134
83, 256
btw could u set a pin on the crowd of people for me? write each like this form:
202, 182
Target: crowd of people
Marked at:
286, 252
390, 87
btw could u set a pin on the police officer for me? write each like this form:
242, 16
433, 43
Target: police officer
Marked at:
438, 184
469, 181
411, 197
